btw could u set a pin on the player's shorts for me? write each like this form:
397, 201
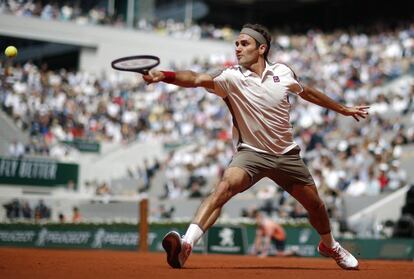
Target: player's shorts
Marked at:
285, 170
280, 245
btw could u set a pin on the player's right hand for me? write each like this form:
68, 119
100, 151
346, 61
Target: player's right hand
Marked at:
153, 76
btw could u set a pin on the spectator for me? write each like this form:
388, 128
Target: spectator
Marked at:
103, 190
76, 215
12, 209
397, 176
41, 211
16, 149
373, 185
27, 212
163, 213
383, 177
62, 218
195, 190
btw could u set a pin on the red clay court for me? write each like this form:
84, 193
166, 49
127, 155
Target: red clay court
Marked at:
25, 263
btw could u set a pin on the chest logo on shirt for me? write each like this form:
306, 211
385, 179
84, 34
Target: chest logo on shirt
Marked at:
276, 79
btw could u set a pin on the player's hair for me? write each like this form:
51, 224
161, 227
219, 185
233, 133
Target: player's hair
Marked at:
266, 34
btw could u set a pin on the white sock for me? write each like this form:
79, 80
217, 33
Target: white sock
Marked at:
328, 240
193, 234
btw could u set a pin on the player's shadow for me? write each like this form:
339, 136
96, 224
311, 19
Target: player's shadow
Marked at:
265, 267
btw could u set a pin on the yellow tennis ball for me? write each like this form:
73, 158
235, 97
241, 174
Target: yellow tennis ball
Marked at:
10, 51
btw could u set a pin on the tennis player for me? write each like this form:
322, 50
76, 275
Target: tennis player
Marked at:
256, 93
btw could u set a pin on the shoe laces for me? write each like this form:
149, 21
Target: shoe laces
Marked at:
339, 253
187, 249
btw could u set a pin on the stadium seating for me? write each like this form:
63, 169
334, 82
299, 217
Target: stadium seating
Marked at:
346, 158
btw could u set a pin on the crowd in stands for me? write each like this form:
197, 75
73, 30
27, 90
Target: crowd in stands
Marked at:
100, 16
343, 156
52, 10
22, 210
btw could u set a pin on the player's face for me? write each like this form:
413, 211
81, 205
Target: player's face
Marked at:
247, 52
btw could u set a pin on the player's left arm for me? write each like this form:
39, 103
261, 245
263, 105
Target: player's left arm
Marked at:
313, 95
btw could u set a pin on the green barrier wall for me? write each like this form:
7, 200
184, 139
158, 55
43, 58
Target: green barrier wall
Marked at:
223, 239
124, 237
37, 172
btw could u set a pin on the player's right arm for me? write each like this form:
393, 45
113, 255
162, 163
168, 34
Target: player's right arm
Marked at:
257, 247
181, 78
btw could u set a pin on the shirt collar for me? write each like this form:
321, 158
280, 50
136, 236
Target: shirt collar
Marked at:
246, 72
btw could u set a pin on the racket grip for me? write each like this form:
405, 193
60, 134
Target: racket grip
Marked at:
169, 76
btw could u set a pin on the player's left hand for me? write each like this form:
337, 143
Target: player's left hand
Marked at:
357, 112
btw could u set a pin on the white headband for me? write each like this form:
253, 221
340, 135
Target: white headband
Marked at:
254, 34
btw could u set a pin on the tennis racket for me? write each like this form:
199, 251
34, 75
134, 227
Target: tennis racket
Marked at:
138, 63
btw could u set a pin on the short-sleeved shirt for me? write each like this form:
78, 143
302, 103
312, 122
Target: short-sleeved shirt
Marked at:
259, 106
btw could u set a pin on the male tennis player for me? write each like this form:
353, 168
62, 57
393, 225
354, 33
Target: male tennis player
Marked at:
256, 93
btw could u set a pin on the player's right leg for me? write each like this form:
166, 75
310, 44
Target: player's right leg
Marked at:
234, 180
177, 250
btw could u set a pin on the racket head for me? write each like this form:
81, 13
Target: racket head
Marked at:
137, 63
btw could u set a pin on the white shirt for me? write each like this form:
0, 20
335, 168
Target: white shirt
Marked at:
259, 106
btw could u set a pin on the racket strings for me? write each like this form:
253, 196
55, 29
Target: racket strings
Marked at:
136, 63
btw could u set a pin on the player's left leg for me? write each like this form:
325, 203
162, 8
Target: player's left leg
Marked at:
308, 196
292, 175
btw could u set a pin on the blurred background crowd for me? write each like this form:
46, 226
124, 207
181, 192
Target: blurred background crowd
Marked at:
371, 65
99, 15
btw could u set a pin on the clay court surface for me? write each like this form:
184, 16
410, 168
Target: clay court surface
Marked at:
60, 264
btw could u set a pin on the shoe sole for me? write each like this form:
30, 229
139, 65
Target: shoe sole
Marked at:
172, 245
327, 256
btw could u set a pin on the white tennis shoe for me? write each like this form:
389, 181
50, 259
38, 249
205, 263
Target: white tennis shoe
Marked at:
177, 250
342, 257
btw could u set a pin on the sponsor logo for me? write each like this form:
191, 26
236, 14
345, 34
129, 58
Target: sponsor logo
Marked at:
30, 169
304, 235
276, 79
17, 236
46, 237
103, 238
227, 237
226, 243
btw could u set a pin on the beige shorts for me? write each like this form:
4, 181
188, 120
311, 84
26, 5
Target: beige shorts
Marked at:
285, 170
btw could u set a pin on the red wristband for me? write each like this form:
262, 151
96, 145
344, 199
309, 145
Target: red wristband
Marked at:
169, 76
